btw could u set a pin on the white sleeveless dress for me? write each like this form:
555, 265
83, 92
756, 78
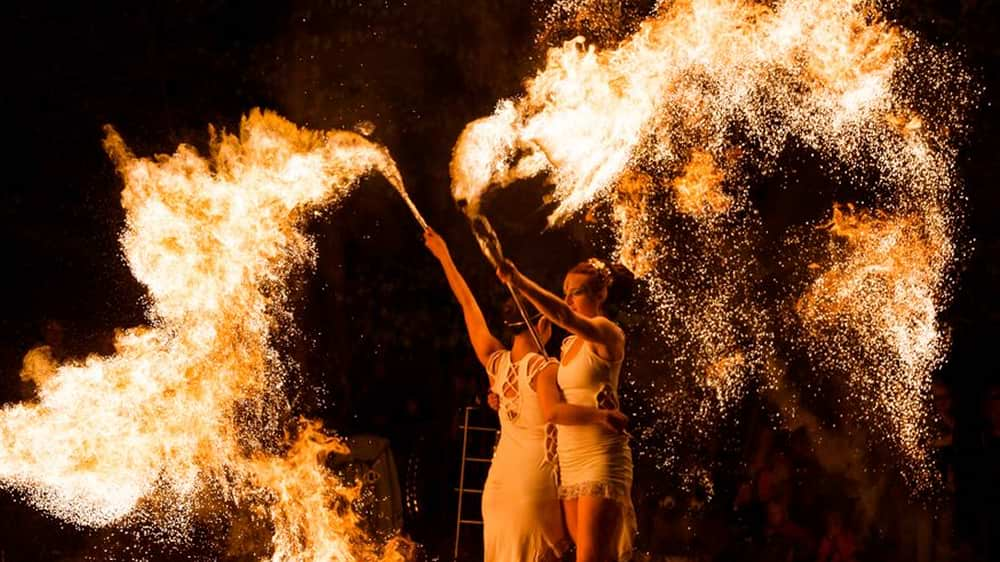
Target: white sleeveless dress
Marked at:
593, 460
522, 517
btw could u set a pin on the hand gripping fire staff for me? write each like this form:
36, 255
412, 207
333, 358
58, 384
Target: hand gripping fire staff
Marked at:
490, 245
488, 242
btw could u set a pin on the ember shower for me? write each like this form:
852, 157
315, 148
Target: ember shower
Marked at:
193, 404
667, 131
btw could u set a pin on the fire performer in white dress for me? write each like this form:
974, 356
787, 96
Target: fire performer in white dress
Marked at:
595, 462
522, 520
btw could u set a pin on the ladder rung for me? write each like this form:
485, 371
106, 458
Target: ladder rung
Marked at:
470, 522
479, 428
468, 490
477, 459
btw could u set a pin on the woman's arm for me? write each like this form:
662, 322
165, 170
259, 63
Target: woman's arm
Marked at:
598, 330
479, 333
555, 410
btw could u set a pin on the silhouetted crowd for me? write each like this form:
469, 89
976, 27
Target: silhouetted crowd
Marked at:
788, 505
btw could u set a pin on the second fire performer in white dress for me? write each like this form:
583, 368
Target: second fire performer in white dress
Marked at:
522, 519
595, 462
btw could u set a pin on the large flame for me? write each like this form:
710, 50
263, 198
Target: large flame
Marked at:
195, 401
686, 75
659, 125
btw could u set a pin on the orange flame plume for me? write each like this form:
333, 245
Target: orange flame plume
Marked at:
191, 403
649, 125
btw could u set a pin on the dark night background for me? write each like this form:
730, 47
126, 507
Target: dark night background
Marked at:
384, 350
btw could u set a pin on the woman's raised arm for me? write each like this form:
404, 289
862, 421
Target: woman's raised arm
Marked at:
482, 340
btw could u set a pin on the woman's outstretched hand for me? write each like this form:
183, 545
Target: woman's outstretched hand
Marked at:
436, 245
493, 400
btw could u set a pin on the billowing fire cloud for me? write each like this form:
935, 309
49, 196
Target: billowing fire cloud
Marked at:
819, 70
667, 126
194, 404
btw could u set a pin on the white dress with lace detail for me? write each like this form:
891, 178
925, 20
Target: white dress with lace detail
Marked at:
522, 521
593, 460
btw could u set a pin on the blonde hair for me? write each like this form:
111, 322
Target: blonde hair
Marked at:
601, 276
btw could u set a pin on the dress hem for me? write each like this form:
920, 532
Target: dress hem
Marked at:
599, 488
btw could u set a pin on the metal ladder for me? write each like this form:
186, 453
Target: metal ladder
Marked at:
461, 489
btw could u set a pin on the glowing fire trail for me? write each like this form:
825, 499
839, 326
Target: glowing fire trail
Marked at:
656, 127
194, 402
